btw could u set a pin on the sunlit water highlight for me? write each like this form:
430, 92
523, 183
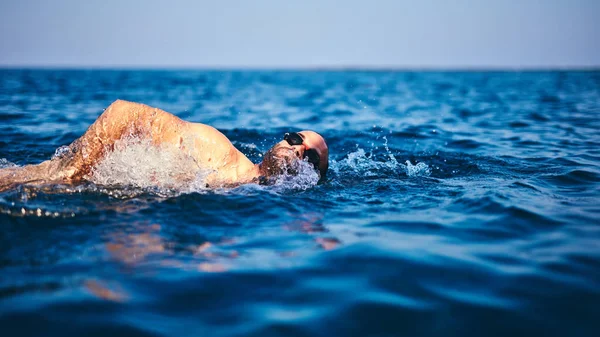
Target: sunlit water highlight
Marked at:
456, 204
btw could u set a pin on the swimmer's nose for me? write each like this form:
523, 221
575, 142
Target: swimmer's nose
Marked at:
299, 151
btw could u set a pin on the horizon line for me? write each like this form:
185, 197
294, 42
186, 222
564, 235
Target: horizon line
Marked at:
300, 68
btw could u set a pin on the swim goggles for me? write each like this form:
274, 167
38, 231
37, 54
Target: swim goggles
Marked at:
293, 138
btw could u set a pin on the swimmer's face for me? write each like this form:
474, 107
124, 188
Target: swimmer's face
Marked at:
282, 158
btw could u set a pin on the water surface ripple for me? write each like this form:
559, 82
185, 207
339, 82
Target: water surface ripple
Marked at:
457, 204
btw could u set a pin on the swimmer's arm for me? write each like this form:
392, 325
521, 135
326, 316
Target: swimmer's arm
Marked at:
121, 119
28, 174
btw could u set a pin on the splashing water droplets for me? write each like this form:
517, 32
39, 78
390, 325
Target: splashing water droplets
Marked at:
305, 178
387, 149
141, 164
61, 152
366, 164
4, 163
419, 169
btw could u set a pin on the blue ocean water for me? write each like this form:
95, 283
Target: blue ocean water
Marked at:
457, 204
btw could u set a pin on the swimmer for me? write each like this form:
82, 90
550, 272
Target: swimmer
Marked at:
206, 146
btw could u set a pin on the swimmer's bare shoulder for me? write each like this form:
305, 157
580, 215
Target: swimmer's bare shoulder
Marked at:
213, 150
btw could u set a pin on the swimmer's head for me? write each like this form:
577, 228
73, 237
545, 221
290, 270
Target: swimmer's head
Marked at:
283, 157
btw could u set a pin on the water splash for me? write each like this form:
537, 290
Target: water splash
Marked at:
139, 163
358, 162
365, 164
389, 153
61, 151
419, 170
305, 178
4, 163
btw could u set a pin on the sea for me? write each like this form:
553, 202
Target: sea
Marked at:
456, 204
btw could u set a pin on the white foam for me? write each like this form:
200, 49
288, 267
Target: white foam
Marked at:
306, 178
361, 163
61, 151
419, 170
4, 163
357, 161
141, 164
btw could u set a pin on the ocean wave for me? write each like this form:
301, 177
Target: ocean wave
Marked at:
456, 203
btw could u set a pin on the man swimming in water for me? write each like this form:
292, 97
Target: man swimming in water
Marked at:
208, 148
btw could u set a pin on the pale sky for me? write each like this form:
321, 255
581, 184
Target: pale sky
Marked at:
308, 33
